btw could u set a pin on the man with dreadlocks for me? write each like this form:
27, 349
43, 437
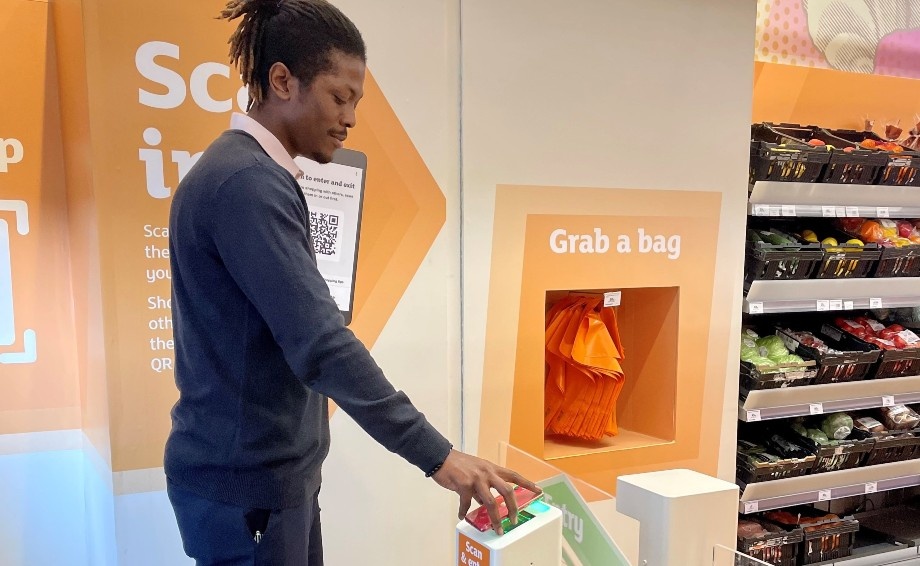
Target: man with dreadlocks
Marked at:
260, 343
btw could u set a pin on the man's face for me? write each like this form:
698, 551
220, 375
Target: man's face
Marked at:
323, 112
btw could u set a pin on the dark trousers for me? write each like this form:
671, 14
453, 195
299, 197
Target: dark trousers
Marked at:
218, 534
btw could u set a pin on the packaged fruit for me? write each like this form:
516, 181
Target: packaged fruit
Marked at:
889, 227
871, 231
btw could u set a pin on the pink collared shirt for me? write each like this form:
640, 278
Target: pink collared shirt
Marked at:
267, 140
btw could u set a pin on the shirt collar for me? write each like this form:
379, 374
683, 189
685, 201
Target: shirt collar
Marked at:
267, 140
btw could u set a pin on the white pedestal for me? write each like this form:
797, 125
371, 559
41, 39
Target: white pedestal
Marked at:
538, 542
682, 515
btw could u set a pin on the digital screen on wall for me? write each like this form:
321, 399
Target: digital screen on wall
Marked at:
335, 193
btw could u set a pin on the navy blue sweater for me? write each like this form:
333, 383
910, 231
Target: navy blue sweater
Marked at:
260, 342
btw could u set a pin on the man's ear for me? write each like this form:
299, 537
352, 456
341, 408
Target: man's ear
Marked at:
280, 81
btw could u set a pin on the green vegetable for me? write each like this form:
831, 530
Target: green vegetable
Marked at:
797, 427
778, 238
748, 353
837, 426
748, 333
774, 346
788, 359
818, 436
753, 236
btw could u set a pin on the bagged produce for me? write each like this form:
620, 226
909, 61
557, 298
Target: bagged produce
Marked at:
818, 436
774, 346
750, 529
900, 417
892, 337
869, 424
837, 426
809, 340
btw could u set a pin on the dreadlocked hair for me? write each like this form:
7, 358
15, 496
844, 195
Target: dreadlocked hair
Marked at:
301, 34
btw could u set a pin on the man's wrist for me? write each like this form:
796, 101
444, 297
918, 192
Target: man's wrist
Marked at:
435, 469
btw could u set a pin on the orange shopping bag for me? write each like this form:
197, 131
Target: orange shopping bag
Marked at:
583, 372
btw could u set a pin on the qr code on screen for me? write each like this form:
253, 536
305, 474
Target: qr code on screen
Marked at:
326, 226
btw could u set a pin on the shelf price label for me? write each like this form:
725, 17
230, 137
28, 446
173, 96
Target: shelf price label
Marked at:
828, 211
761, 210
753, 416
755, 308
883, 212
823, 306
841, 211
848, 305
872, 487
836, 305
824, 495
875, 303
787, 210
613, 298
751, 507
816, 408
852, 211
888, 401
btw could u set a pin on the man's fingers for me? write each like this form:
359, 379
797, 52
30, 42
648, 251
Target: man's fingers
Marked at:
518, 479
485, 494
507, 491
466, 500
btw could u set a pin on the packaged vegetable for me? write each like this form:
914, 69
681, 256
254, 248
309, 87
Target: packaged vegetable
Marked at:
788, 359
818, 436
747, 354
774, 346
900, 417
786, 448
869, 424
837, 426
760, 361
748, 333
750, 529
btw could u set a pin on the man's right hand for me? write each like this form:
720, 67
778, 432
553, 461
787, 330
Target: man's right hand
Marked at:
474, 478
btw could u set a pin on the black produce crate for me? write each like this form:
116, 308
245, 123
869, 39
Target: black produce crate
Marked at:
778, 376
899, 262
853, 364
825, 538
830, 543
894, 446
779, 549
901, 169
748, 473
850, 453
797, 162
848, 261
844, 454
892, 363
898, 363
765, 261
846, 166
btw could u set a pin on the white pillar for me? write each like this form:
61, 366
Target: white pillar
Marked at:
682, 515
